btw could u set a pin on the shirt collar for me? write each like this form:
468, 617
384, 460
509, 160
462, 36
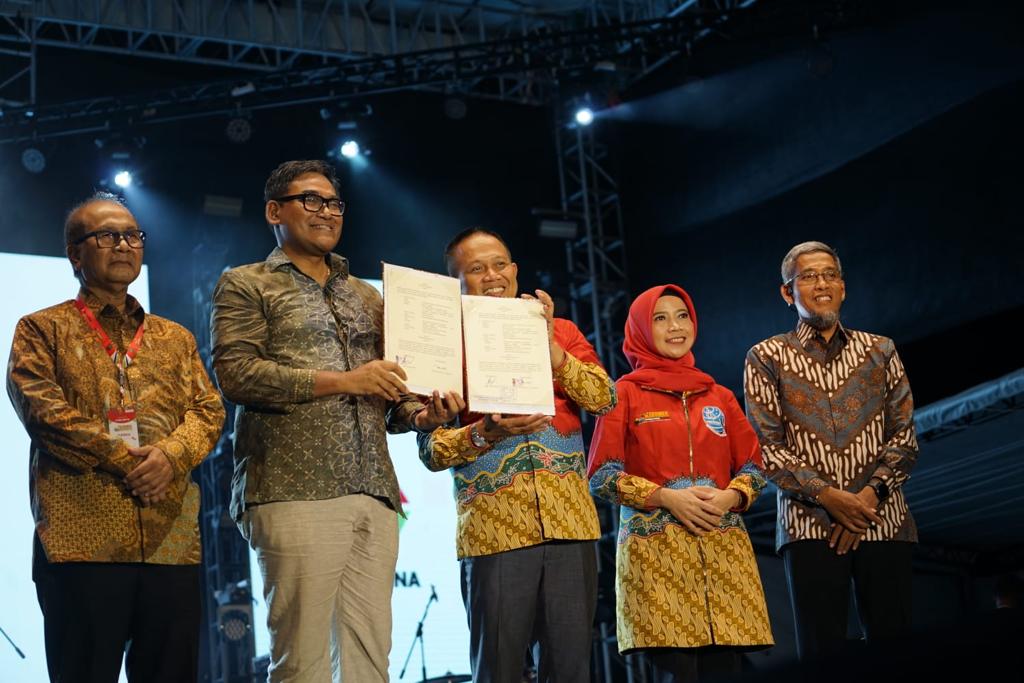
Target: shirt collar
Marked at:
278, 259
805, 333
132, 308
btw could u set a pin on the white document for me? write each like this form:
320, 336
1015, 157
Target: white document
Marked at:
423, 328
508, 362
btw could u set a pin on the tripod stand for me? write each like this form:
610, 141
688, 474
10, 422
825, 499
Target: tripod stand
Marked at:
419, 637
16, 649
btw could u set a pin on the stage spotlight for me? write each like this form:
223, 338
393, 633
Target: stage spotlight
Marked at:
33, 160
238, 130
350, 149
584, 116
123, 178
455, 108
234, 610
235, 624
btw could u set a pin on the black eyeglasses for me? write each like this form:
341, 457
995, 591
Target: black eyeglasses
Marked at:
314, 203
810, 277
108, 239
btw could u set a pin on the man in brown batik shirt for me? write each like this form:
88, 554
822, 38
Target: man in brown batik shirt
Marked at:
834, 413
114, 444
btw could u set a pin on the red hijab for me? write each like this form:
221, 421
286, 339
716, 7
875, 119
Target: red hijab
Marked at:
650, 368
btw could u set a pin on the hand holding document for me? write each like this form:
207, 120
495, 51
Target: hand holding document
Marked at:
507, 353
508, 364
423, 329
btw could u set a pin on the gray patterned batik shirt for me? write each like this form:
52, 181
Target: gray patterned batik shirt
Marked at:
273, 328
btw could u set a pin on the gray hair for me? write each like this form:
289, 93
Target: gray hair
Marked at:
789, 262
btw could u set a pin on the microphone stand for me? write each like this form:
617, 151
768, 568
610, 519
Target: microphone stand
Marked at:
419, 637
22, 654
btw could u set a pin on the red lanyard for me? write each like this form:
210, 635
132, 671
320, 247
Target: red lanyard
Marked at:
108, 345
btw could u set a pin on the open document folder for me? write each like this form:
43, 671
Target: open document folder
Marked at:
503, 343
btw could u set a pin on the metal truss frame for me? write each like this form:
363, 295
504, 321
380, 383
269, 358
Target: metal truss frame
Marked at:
1000, 408
273, 35
22, 70
227, 583
523, 68
596, 257
598, 296
225, 566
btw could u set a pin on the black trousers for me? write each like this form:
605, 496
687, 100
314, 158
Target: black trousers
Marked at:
96, 614
543, 596
704, 664
819, 589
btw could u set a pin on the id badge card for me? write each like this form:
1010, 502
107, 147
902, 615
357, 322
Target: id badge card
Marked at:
121, 424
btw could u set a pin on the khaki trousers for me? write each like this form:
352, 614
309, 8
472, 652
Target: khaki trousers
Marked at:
328, 571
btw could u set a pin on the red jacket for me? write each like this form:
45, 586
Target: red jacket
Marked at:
651, 433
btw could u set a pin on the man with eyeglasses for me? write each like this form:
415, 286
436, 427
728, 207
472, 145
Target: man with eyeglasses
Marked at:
526, 520
297, 344
833, 410
120, 410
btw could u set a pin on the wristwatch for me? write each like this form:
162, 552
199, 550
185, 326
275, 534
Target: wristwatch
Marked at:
477, 438
880, 488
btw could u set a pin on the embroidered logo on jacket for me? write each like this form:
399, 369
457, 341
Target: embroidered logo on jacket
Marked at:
714, 418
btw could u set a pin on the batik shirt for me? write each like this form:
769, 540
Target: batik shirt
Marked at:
274, 327
529, 489
835, 413
62, 383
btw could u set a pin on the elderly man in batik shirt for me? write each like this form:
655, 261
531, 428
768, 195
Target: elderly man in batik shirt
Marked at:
526, 522
120, 411
297, 345
833, 411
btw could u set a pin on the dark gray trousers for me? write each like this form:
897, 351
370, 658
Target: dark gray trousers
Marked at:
819, 590
543, 596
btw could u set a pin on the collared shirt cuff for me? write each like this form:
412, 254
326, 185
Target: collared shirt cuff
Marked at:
884, 474
635, 492
746, 496
568, 367
302, 391
176, 455
452, 447
814, 487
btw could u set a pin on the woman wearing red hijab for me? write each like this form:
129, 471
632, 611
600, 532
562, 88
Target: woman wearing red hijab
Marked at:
679, 456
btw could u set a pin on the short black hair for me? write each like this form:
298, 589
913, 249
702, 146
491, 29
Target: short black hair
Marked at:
282, 176
449, 250
74, 227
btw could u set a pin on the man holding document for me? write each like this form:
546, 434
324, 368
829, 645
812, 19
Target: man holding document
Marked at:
526, 521
297, 343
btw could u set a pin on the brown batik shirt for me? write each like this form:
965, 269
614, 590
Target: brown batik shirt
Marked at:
62, 383
835, 413
273, 328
